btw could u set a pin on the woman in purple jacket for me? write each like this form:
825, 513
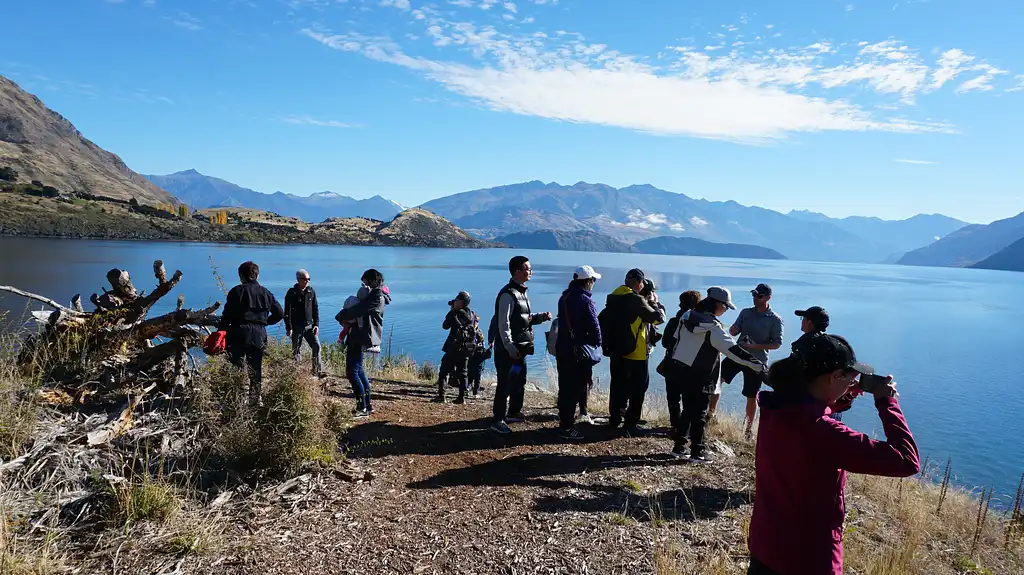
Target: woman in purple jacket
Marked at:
577, 325
802, 458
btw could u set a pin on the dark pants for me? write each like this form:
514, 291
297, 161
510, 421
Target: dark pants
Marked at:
693, 419
758, 568
458, 374
511, 390
357, 376
628, 388
476, 372
444, 370
250, 357
674, 396
573, 385
306, 333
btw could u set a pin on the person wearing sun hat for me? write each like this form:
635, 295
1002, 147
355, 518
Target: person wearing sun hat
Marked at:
577, 325
802, 457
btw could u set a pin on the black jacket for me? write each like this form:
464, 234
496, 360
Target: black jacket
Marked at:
248, 310
300, 308
456, 318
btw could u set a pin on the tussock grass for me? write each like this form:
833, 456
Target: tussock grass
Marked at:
146, 500
297, 425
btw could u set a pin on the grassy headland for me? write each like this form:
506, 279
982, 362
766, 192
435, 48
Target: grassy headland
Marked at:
38, 210
203, 483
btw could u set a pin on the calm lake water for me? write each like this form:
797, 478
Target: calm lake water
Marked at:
952, 337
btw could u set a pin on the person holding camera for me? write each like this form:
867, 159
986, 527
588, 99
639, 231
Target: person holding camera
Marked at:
802, 456
513, 327
624, 325
693, 367
460, 344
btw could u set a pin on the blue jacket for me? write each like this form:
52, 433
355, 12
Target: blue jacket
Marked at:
577, 306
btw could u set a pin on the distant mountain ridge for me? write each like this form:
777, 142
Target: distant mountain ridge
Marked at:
202, 191
640, 212
683, 246
1010, 258
969, 245
894, 237
42, 145
574, 241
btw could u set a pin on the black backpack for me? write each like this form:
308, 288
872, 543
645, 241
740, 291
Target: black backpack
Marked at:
465, 338
617, 337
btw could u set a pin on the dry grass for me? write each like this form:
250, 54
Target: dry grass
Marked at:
145, 500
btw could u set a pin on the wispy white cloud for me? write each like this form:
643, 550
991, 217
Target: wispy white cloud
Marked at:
186, 21
1020, 85
309, 121
920, 162
400, 4
149, 3
747, 93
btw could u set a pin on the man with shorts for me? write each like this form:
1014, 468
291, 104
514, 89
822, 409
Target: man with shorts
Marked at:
759, 330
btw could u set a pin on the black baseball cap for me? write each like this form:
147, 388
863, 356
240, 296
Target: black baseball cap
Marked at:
816, 314
826, 352
761, 290
463, 296
636, 274
649, 286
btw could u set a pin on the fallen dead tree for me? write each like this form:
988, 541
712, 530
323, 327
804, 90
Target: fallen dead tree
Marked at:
121, 411
117, 345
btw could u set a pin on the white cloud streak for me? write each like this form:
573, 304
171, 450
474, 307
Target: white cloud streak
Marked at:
918, 162
747, 94
308, 121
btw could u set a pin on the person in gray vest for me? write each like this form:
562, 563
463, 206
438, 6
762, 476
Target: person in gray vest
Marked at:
760, 331
514, 321
302, 319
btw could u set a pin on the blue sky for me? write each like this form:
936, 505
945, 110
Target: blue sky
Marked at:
873, 108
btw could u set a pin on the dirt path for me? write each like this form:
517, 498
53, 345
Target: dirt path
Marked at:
449, 496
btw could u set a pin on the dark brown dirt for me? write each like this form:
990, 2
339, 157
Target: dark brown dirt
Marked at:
449, 496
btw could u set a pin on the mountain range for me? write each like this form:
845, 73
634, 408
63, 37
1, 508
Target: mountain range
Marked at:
201, 191
41, 145
591, 241
640, 212
972, 245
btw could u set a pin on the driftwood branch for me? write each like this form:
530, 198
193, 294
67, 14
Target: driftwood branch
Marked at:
39, 298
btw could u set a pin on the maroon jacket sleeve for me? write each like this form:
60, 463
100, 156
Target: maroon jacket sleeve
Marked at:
853, 451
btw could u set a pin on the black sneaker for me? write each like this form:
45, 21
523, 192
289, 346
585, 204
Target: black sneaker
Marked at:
634, 431
700, 457
437, 399
362, 413
680, 452
571, 435
614, 423
460, 400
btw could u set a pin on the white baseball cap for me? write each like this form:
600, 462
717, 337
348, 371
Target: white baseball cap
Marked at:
586, 273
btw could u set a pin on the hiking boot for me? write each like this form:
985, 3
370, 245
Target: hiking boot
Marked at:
461, 399
700, 457
516, 418
571, 435
501, 427
679, 451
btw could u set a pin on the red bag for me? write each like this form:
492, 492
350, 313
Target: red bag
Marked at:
216, 343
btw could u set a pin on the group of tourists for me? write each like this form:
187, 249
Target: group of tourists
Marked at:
803, 450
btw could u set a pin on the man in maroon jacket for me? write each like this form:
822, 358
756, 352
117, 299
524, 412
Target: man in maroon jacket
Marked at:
802, 458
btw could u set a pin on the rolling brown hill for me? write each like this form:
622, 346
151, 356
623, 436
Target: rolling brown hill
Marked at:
43, 145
